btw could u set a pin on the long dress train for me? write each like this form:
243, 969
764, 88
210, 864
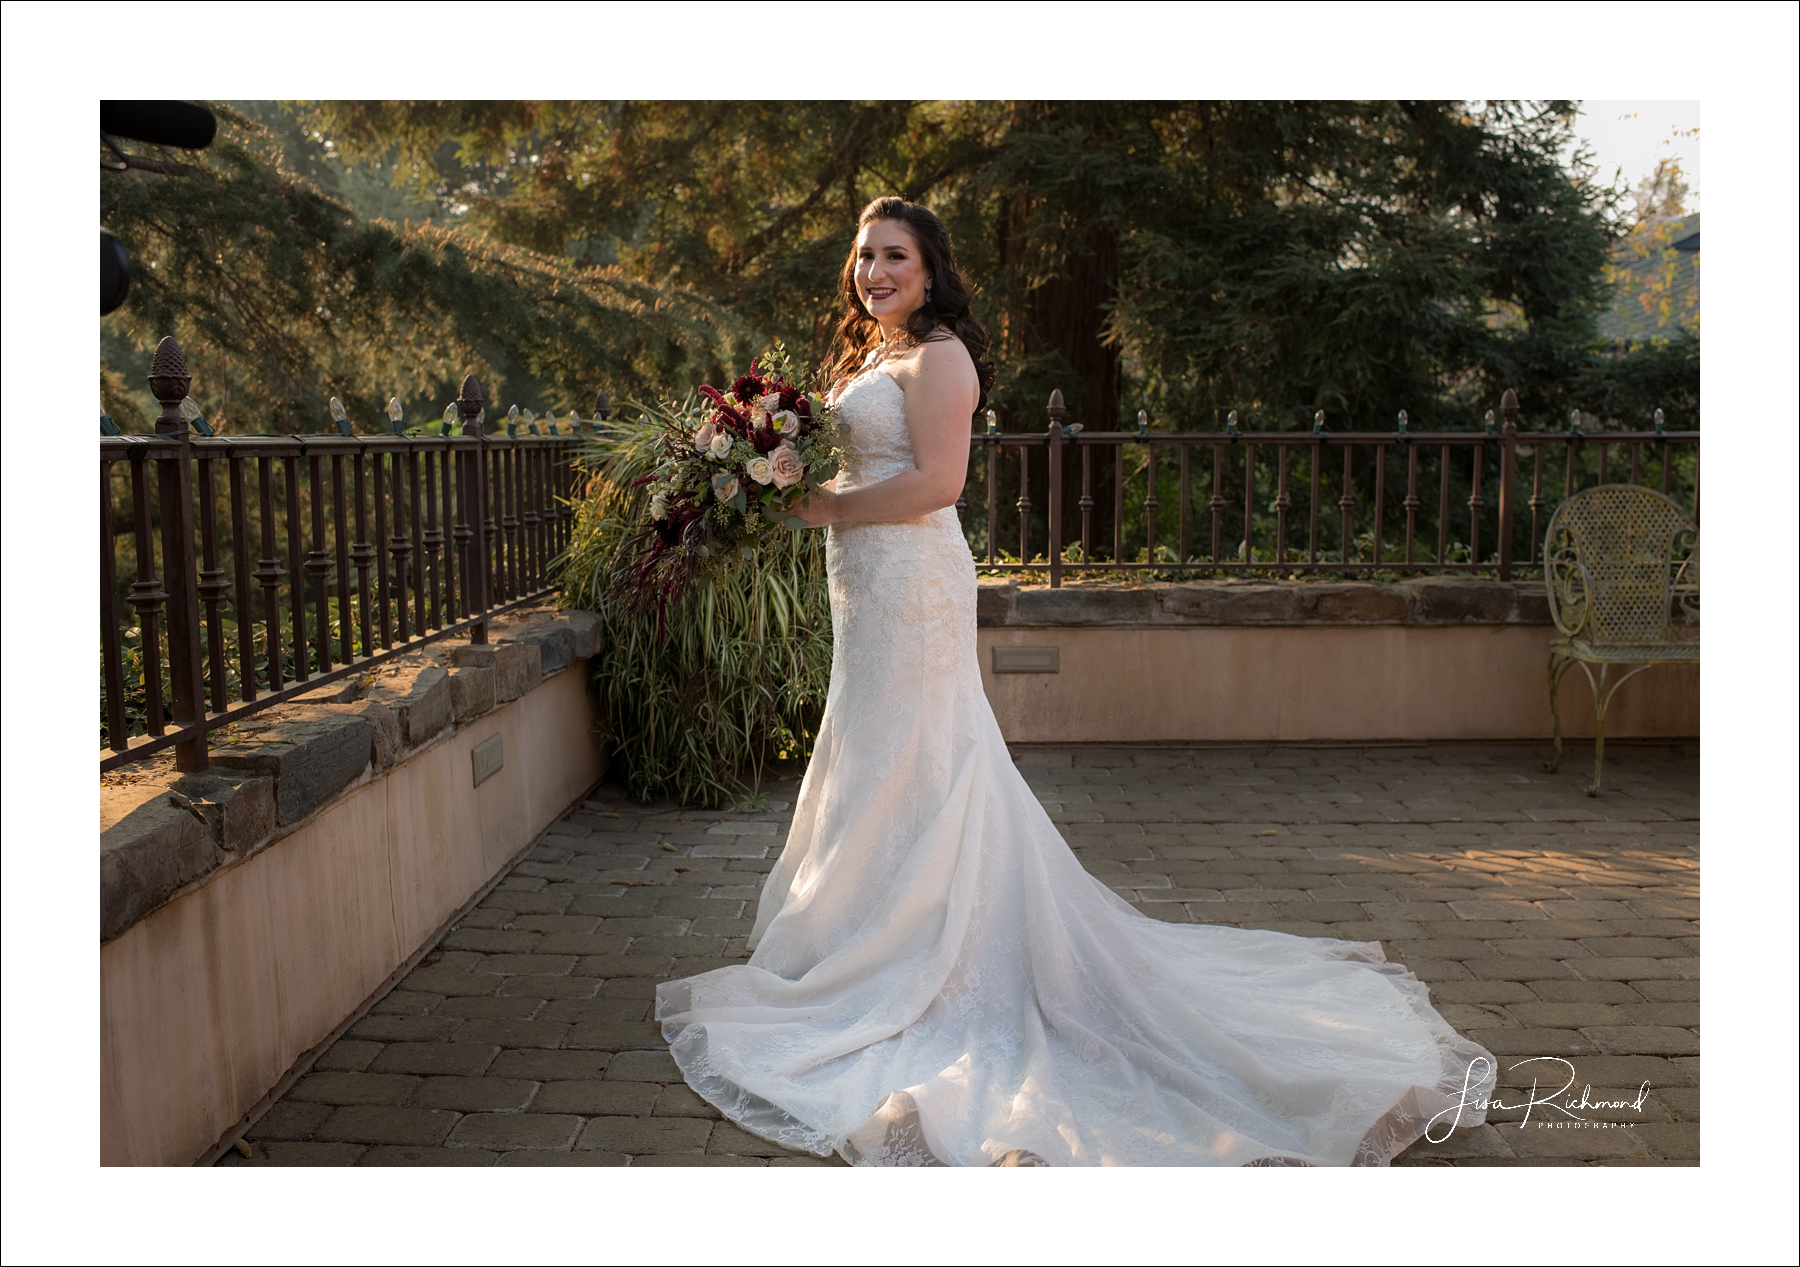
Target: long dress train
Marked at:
935, 980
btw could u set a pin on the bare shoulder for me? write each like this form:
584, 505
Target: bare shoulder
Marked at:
944, 360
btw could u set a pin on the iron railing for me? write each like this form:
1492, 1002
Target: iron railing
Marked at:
326, 555
1300, 502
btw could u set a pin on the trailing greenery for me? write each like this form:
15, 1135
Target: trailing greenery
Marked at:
696, 700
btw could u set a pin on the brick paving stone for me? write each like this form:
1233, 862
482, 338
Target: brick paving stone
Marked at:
542, 1157
406, 1029
1686, 1015
622, 966
348, 1055
640, 1136
407, 1003
1643, 1040
473, 1095
456, 1059
546, 987
1681, 1103
516, 1130
286, 1153
386, 1124
550, 1066
1545, 923
614, 1035
643, 1066
682, 1101
1663, 991
400, 1156
449, 981
593, 1097
290, 1119
1534, 1042
501, 1033
492, 1007
355, 1088
1624, 969
729, 1138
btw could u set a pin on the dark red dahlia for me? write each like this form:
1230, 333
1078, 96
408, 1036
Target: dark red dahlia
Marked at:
748, 388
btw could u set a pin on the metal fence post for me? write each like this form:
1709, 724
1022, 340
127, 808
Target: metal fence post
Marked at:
1053, 539
1509, 447
468, 405
169, 383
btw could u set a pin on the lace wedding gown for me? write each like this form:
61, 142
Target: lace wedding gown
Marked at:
935, 980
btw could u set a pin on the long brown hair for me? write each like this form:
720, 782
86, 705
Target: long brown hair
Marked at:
945, 311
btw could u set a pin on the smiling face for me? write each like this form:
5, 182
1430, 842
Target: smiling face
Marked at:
890, 275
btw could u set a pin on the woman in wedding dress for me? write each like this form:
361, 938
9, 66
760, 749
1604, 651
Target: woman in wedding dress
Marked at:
934, 979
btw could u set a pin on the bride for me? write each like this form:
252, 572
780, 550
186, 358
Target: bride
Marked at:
934, 979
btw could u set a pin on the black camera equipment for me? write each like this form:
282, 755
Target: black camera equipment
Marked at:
171, 123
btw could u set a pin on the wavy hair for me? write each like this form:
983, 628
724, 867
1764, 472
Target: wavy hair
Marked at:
945, 312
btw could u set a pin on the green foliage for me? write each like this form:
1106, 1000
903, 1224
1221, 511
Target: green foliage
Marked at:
697, 699
1189, 257
283, 296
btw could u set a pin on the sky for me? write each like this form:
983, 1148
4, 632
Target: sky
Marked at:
1633, 134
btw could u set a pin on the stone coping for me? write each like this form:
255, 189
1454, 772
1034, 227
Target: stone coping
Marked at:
1436, 600
162, 832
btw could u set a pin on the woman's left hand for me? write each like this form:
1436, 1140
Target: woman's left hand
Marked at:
819, 508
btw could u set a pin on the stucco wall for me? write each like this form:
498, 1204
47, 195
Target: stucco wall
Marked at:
1314, 682
208, 1001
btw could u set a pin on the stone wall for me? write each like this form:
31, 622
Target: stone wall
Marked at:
1229, 662
246, 912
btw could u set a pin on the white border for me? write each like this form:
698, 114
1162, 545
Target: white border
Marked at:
1738, 59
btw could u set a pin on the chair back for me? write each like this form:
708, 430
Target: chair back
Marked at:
1613, 559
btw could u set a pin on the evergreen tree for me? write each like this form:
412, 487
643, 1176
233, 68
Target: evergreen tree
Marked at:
283, 296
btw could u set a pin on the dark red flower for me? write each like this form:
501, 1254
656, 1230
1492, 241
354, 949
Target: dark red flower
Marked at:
765, 439
748, 388
802, 408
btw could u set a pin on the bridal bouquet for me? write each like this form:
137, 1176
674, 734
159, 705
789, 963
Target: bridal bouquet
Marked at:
731, 467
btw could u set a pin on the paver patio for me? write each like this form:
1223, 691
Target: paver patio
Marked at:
1546, 923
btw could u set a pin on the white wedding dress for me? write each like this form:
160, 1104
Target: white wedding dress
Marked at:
935, 980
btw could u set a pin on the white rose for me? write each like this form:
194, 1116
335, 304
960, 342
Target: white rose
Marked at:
704, 437
719, 447
726, 491
758, 469
786, 466
659, 506
758, 415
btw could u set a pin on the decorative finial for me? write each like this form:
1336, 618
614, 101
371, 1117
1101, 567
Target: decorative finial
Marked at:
602, 406
169, 383
469, 406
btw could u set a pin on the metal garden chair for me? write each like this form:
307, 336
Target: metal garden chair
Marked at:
1617, 560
